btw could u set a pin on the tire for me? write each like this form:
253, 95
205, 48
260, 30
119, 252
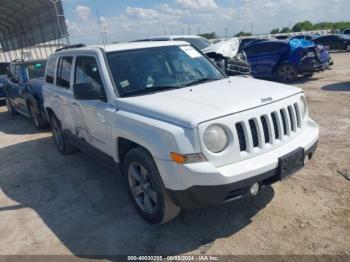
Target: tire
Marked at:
287, 73
61, 142
10, 109
37, 118
146, 189
347, 48
308, 75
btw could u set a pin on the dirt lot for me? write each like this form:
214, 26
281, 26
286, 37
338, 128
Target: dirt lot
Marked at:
53, 204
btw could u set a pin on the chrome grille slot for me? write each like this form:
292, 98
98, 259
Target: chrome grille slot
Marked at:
254, 132
275, 125
284, 122
292, 118
241, 137
297, 113
264, 120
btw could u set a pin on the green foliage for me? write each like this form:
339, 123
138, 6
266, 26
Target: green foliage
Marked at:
274, 31
286, 30
211, 35
243, 34
307, 26
302, 26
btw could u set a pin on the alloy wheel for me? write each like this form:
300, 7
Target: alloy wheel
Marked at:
141, 188
287, 73
57, 133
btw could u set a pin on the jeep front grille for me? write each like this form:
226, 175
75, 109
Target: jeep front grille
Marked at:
268, 128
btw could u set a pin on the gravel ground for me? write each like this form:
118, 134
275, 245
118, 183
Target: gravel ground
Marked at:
53, 204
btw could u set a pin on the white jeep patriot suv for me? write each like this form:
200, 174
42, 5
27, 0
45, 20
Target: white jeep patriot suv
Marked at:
183, 133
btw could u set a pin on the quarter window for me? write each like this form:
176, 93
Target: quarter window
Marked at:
63, 71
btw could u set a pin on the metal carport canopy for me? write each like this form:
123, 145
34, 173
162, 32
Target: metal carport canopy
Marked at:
25, 23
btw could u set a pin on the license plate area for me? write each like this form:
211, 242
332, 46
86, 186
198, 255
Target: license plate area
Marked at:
291, 162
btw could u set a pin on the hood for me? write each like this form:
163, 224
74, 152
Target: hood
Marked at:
190, 106
227, 48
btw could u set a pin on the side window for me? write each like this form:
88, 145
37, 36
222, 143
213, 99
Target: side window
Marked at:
86, 71
19, 72
63, 71
50, 70
12, 72
252, 49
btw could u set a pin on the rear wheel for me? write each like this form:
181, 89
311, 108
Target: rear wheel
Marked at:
287, 73
37, 119
146, 189
10, 109
61, 142
348, 48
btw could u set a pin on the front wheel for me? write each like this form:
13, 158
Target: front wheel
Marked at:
10, 109
146, 189
287, 73
61, 142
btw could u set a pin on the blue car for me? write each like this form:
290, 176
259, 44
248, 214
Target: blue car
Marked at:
3, 78
23, 90
286, 60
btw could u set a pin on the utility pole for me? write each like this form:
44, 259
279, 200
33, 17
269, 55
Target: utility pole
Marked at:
189, 29
225, 32
251, 27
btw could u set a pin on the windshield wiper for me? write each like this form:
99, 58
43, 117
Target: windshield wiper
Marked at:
201, 80
150, 90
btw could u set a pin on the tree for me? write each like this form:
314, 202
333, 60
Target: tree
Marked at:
286, 30
274, 31
302, 26
243, 34
211, 35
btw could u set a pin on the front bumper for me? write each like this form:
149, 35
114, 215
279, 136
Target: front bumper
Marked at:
202, 196
203, 184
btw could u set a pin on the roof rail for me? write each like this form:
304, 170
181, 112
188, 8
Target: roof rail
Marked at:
70, 47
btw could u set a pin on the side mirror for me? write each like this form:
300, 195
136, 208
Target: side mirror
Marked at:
87, 91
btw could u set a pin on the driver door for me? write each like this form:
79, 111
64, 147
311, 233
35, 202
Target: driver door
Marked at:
91, 116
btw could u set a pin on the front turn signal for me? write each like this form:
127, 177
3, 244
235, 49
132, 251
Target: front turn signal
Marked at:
187, 159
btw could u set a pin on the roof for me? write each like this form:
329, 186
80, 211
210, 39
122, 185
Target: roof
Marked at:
128, 46
26, 23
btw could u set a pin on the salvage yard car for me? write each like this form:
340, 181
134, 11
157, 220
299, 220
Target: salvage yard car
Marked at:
3, 78
334, 42
183, 134
286, 60
225, 54
24, 90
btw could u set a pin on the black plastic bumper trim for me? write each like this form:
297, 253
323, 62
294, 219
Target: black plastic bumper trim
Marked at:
202, 196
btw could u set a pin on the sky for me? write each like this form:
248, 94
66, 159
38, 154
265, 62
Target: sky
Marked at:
124, 20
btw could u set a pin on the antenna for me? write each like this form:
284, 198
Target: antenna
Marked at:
99, 25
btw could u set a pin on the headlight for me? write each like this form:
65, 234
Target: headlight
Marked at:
215, 138
303, 106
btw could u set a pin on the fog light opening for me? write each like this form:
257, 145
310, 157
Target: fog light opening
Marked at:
254, 189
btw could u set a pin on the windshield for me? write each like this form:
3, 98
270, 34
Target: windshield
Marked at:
36, 70
198, 42
153, 69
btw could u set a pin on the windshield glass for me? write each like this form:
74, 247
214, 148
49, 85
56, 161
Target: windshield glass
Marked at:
36, 70
200, 43
152, 69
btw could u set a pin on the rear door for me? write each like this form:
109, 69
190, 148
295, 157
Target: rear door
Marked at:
270, 56
252, 52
